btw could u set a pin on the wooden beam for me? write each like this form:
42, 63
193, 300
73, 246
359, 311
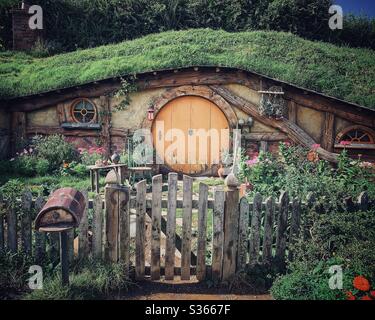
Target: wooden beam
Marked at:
295, 133
270, 137
328, 134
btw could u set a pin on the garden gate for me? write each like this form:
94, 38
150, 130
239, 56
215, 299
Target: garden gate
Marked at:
235, 234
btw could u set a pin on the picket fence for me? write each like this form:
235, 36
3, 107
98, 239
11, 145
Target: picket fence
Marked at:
243, 233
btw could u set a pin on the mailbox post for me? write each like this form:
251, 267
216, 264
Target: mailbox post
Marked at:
62, 212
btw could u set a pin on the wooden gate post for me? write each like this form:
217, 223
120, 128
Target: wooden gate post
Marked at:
231, 216
117, 221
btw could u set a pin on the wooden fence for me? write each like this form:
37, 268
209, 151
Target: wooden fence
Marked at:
243, 233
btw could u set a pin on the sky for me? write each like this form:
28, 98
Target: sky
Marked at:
358, 6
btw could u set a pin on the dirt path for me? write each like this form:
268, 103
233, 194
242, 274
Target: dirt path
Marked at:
186, 290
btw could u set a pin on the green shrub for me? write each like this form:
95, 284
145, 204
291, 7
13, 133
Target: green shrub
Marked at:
55, 150
337, 238
42, 167
92, 280
25, 165
13, 273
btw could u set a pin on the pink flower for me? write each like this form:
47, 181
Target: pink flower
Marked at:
315, 146
345, 143
252, 162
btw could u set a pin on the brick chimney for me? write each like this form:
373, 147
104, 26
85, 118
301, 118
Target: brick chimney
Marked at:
24, 38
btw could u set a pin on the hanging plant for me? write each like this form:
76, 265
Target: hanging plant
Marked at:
272, 104
128, 86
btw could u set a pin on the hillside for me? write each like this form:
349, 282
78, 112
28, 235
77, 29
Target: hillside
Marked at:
344, 73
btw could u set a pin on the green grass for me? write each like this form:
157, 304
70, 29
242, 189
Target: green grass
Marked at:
341, 72
42, 184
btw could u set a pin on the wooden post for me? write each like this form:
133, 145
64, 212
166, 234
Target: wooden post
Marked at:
70, 244
26, 202
97, 227
83, 240
124, 228
231, 216
243, 233
40, 237
254, 246
202, 228
92, 180
156, 222
218, 235
170, 247
282, 224
12, 229
64, 258
268, 230
140, 235
112, 222
186, 228
97, 179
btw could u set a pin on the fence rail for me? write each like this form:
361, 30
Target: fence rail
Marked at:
243, 233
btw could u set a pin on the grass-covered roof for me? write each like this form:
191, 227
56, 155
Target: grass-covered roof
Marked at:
345, 73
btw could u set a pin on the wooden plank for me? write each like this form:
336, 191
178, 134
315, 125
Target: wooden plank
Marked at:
2, 247
263, 146
83, 239
328, 132
186, 227
112, 223
268, 230
124, 229
202, 231
243, 234
295, 224
363, 201
97, 179
97, 227
40, 237
254, 245
140, 236
26, 235
156, 221
270, 137
170, 247
282, 224
12, 229
231, 216
292, 107
218, 235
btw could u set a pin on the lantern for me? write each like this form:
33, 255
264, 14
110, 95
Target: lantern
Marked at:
150, 113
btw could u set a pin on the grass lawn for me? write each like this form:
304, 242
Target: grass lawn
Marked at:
341, 72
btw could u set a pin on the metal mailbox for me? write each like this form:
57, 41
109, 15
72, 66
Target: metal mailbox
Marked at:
63, 211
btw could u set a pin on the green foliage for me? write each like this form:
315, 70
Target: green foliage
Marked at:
314, 65
336, 238
92, 280
291, 170
12, 190
55, 150
13, 273
73, 24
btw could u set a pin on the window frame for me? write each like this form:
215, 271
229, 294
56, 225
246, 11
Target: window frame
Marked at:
72, 111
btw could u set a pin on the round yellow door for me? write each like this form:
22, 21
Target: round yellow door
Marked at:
190, 133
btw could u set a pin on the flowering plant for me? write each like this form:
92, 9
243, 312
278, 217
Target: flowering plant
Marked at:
91, 155
362, 290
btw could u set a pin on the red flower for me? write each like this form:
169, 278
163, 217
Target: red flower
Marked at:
366, 298
350, 296
361, 283
372, 293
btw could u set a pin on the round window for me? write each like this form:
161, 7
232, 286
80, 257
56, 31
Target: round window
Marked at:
83, 111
